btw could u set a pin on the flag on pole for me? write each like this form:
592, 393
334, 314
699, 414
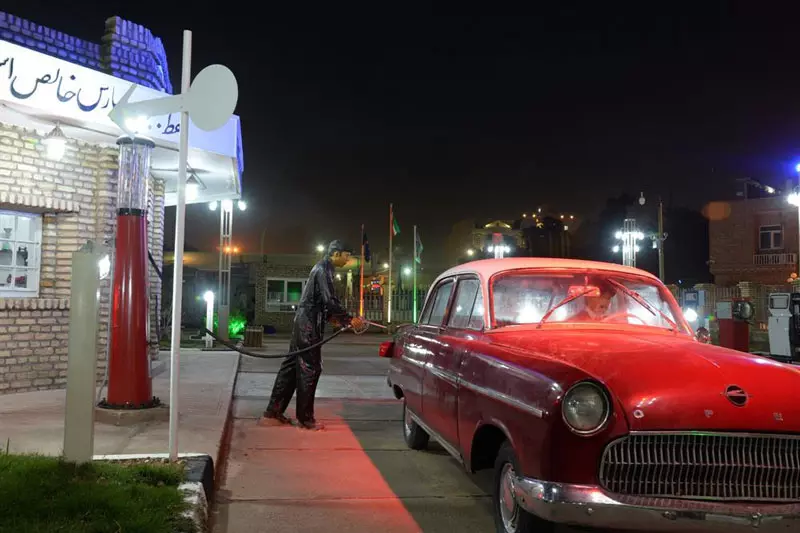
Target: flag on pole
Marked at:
418, 248
365, 244
395, 226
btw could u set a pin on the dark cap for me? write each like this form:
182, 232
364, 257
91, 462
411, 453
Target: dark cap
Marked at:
338, 246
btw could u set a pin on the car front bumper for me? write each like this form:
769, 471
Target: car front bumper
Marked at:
588, 505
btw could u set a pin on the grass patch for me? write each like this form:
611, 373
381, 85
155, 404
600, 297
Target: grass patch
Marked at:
47, 494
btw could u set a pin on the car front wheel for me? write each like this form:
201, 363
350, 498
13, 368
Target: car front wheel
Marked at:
509, 517
415, 436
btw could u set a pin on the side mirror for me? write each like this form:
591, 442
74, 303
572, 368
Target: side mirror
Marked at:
703, 335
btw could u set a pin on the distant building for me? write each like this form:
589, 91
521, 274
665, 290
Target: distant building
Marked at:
753, 239
539, 233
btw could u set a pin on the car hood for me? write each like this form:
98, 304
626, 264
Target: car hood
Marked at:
665, 382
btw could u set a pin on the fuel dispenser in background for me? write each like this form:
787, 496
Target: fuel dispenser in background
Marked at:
784, 326
734, 324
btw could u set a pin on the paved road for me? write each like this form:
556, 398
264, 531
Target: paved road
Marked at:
357, 475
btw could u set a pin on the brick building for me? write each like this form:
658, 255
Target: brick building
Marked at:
56, 87
752, 240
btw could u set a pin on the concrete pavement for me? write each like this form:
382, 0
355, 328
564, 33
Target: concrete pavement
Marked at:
357, 475
33, 422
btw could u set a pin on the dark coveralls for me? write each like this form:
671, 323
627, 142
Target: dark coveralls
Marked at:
317, 305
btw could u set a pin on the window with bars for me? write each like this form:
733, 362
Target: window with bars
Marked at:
20, 254
770, 237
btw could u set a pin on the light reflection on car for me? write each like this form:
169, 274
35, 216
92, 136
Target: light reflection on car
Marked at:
584, 388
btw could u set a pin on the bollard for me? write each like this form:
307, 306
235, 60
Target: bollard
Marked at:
209, 298
90, 265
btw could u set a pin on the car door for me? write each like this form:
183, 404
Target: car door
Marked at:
444, 365
420, 344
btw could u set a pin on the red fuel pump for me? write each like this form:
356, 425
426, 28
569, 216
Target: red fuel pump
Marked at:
734, 324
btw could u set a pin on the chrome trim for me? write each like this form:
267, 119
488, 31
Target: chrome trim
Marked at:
606, 418
447, 446
590, 506
415, 362
456, 380
505, 398
446, 375
717, 434
703, 466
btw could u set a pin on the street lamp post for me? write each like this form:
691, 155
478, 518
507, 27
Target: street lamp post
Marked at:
629, 237
658, 238
225, 255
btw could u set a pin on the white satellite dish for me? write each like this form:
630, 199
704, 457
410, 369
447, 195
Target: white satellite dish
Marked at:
212, 97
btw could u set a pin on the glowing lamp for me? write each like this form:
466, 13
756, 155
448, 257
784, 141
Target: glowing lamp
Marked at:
615, 249
690, 314
320, 248
470, 252
208, 296
242, 205
55, 144
137, 124
794, 199
797, 167
406, 271
386, 265
212, 206
192, 189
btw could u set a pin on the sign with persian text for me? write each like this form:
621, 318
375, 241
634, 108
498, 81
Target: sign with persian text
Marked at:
83, 97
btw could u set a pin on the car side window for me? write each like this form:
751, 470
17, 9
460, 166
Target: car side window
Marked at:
462, 306
476, 318
440, 300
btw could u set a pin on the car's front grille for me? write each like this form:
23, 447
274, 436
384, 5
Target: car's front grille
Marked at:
712, 466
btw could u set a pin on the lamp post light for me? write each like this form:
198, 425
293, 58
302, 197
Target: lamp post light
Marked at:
225, 253
209, 298
629, 237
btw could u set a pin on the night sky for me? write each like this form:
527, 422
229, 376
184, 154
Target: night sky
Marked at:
453, 117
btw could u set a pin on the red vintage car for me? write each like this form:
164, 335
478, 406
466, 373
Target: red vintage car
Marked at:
582, 385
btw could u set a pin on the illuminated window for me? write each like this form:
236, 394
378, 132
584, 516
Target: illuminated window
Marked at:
20, 254
770, 237
283, 294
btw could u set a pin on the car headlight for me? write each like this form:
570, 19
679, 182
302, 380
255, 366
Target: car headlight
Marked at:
585, 408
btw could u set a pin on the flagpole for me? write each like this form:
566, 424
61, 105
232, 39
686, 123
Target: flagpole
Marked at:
361, 290
414, 282
391, 231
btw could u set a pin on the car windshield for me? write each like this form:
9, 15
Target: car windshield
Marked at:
581, 296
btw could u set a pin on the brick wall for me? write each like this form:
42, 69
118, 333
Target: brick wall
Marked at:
282, 321
78, 198
33, 332
128, 50
155, 226
733, 239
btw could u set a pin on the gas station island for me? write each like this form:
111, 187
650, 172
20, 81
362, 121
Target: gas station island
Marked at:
71, 179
